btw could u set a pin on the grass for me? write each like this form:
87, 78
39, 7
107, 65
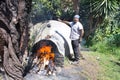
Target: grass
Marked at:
66, 61
103, 47
110, 66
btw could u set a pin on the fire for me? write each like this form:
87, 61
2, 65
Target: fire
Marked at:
45, 59
45, 53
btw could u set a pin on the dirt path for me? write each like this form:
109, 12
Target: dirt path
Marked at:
87, 69
90, 66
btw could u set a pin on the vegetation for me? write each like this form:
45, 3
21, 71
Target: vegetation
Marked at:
107, 36
109, 66
53, 9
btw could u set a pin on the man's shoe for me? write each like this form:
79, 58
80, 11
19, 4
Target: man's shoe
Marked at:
73, 59
75, 62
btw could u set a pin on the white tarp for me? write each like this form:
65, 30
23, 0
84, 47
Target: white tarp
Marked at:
58, 31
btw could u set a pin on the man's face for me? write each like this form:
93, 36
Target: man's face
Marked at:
75, 19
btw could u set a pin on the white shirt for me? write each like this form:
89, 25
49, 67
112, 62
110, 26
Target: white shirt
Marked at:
75, 30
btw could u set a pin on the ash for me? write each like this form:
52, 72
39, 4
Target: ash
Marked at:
72, 73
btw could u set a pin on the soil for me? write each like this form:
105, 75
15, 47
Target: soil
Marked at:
87, 69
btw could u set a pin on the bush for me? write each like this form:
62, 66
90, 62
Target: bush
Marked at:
100, 47
114, 40
109, 45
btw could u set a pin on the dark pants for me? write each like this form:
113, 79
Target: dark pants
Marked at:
76, 49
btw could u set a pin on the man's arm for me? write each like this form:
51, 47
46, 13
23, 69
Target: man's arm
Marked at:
81, 34
66, 22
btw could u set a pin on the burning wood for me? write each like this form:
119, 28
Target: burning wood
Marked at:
45, 59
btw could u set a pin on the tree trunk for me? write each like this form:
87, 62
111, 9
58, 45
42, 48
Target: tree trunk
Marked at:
14, 35
76, 6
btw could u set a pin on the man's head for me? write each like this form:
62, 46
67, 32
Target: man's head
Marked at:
76, 18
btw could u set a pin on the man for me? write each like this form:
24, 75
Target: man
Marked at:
76, 35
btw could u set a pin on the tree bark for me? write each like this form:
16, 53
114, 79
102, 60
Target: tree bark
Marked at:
76, 6
14, 29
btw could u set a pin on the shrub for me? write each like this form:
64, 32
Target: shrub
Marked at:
114, 40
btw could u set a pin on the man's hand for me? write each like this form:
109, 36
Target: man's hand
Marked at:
59, 19
66, 22
80, 39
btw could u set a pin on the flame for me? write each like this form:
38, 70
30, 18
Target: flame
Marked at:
45, 53
45, 59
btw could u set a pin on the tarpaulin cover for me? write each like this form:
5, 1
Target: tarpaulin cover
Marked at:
59, 34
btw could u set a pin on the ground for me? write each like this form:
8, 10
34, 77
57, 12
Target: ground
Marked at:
96, 66
85, 70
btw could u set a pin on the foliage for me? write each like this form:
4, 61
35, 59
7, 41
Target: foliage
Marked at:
104, 8
106, 38
51, 9
108, 45
114, 40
